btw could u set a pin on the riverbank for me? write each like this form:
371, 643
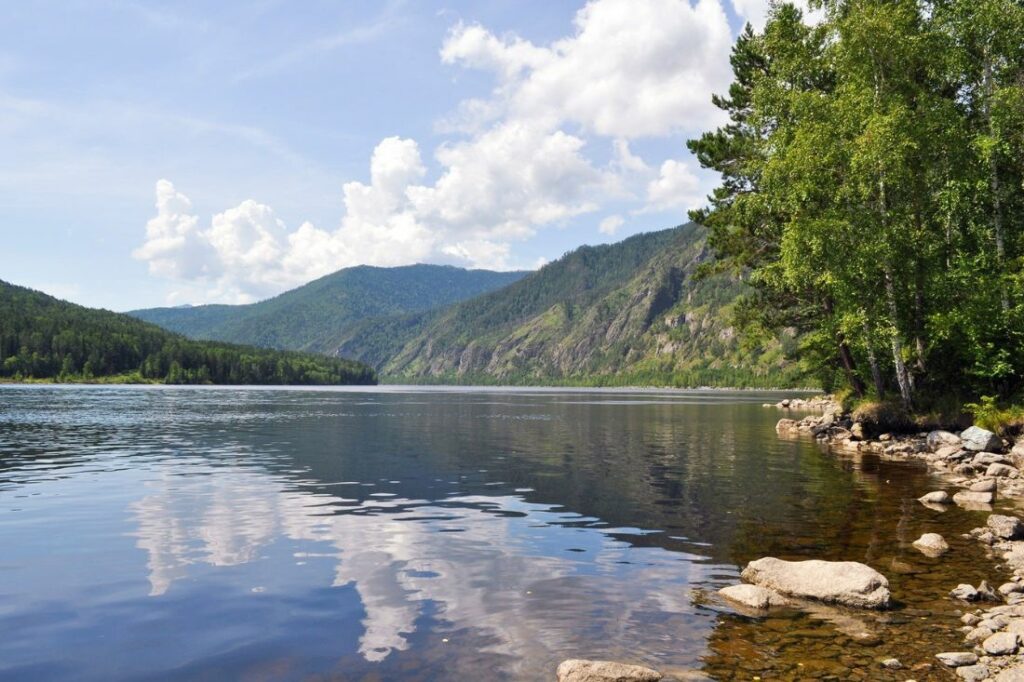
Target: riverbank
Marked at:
987, 470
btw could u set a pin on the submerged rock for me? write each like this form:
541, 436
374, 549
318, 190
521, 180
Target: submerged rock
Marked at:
579, 670
931, 544
978, 439
838, 582
752, 596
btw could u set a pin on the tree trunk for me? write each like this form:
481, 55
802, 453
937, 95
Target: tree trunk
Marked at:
902, 375
994, 184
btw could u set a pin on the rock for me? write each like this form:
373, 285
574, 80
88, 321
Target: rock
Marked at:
1000, 470
986, 458
973, 673
955, 659
970, 619
968, 499
1006, 527
785, 425
978, 439
978, 634
1017, 453
857, 431
964, 592
986, 592
986, 485
752, 596
1016, 625
1015, 674
892, 664
938, 439
579, 670
936, 497
839, 582
931, 544
1009, 588
1001, 644
951, 452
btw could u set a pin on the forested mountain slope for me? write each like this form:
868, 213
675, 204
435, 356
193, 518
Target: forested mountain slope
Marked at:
314, 316
42, 337
626, 313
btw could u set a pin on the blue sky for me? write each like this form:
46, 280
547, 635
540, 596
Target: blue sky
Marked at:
163, 153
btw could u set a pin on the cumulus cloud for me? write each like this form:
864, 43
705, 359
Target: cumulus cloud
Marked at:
676, 187
515, 162
611, 224
631, 69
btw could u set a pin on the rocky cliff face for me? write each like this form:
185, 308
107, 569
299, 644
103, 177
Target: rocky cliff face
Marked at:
629, 312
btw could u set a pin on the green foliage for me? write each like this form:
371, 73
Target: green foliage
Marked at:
872, 174
625, 314
313, 316
44, 338
1002, 420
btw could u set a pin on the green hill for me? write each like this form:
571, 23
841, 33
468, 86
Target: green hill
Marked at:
626, 313
314, 316
43, 338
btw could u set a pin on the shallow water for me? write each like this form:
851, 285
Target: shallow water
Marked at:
423, 534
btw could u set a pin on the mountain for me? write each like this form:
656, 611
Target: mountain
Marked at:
42, 337
314, 316
625, 313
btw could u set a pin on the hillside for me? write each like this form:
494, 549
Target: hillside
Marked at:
626, 313
314, 316
42, 337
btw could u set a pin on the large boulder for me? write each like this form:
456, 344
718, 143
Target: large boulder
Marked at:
978, 439
752, 596
579, 670
836, 582
938, 439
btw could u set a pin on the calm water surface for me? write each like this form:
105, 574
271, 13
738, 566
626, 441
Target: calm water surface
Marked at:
414, 534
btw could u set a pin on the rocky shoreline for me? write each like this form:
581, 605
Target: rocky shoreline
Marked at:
987, 469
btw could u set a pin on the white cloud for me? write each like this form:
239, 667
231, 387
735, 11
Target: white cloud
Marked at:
631, 68
676, 187
521, 159
611, 224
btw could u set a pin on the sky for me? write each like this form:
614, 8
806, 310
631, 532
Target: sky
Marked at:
164, 153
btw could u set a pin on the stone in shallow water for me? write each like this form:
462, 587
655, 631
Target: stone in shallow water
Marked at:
964, 592
973, 500
931, 544
1001, 644
1006, 527
579, 670
752, 596
955, 659
935, 497
839, 582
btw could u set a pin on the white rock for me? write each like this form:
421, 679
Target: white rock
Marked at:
1000, 470
752, 596
987, 485
838, 582
935, 497
579, 670
955, 659
1014, 674
931, 544
973, 673
1001, 644
1006, 527
964, 592
970, 500
938, 439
